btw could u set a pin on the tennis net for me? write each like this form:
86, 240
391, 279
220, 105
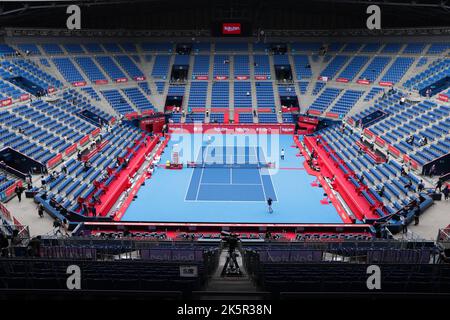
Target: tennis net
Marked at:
259, 165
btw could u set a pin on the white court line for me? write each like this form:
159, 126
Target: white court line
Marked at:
199, 183
231, 175
262, 184
227, 184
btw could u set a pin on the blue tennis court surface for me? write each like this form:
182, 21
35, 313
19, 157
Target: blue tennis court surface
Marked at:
230, 174
234, 185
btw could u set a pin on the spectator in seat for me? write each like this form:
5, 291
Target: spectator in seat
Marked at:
96, 199
408, 185
410, 140
403, 171
380, 191
423, 141
87, 166
402, 100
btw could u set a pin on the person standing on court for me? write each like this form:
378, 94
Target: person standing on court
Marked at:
282, 154
269, 204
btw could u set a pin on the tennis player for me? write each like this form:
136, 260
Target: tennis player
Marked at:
269, 205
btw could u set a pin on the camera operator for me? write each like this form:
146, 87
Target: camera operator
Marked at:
231, 266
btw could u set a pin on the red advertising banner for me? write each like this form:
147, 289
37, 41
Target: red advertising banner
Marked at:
101, 81
5, 212
342, 80
24, 97
10, 191
79, 83
71, 149
84, 140
368, 133
242, 77
6, 102
380, 141
141, 78
55, 160
332, 115
231, 28
121, 80
362, 81
261, 77
201, 77
95, 132
385, 83
317, 112
308, 120
233, 128
323, 78
131, 115
221, 77
393, 151
443, 97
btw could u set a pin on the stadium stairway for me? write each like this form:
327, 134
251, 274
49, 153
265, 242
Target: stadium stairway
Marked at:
236, 288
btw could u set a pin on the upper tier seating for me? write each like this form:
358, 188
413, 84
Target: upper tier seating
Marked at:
197, 94
110, 67
138, 99
161, 67
90, 69
220, 95
129, 66
117, 101
68, 70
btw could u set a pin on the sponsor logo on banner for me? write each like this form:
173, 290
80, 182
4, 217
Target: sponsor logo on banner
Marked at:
363, 81
323, 78
231, 28
443, 97
103, 81
261, 77
6, 102
141, 78
342, 80
287, 130
241, 77
79, 83
24, 97
120, 80
385, 83
221, 77
201, 77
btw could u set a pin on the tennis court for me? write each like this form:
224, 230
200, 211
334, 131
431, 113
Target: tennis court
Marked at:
230, 182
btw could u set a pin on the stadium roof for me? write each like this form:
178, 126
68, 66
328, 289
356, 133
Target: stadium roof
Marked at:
201, 14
